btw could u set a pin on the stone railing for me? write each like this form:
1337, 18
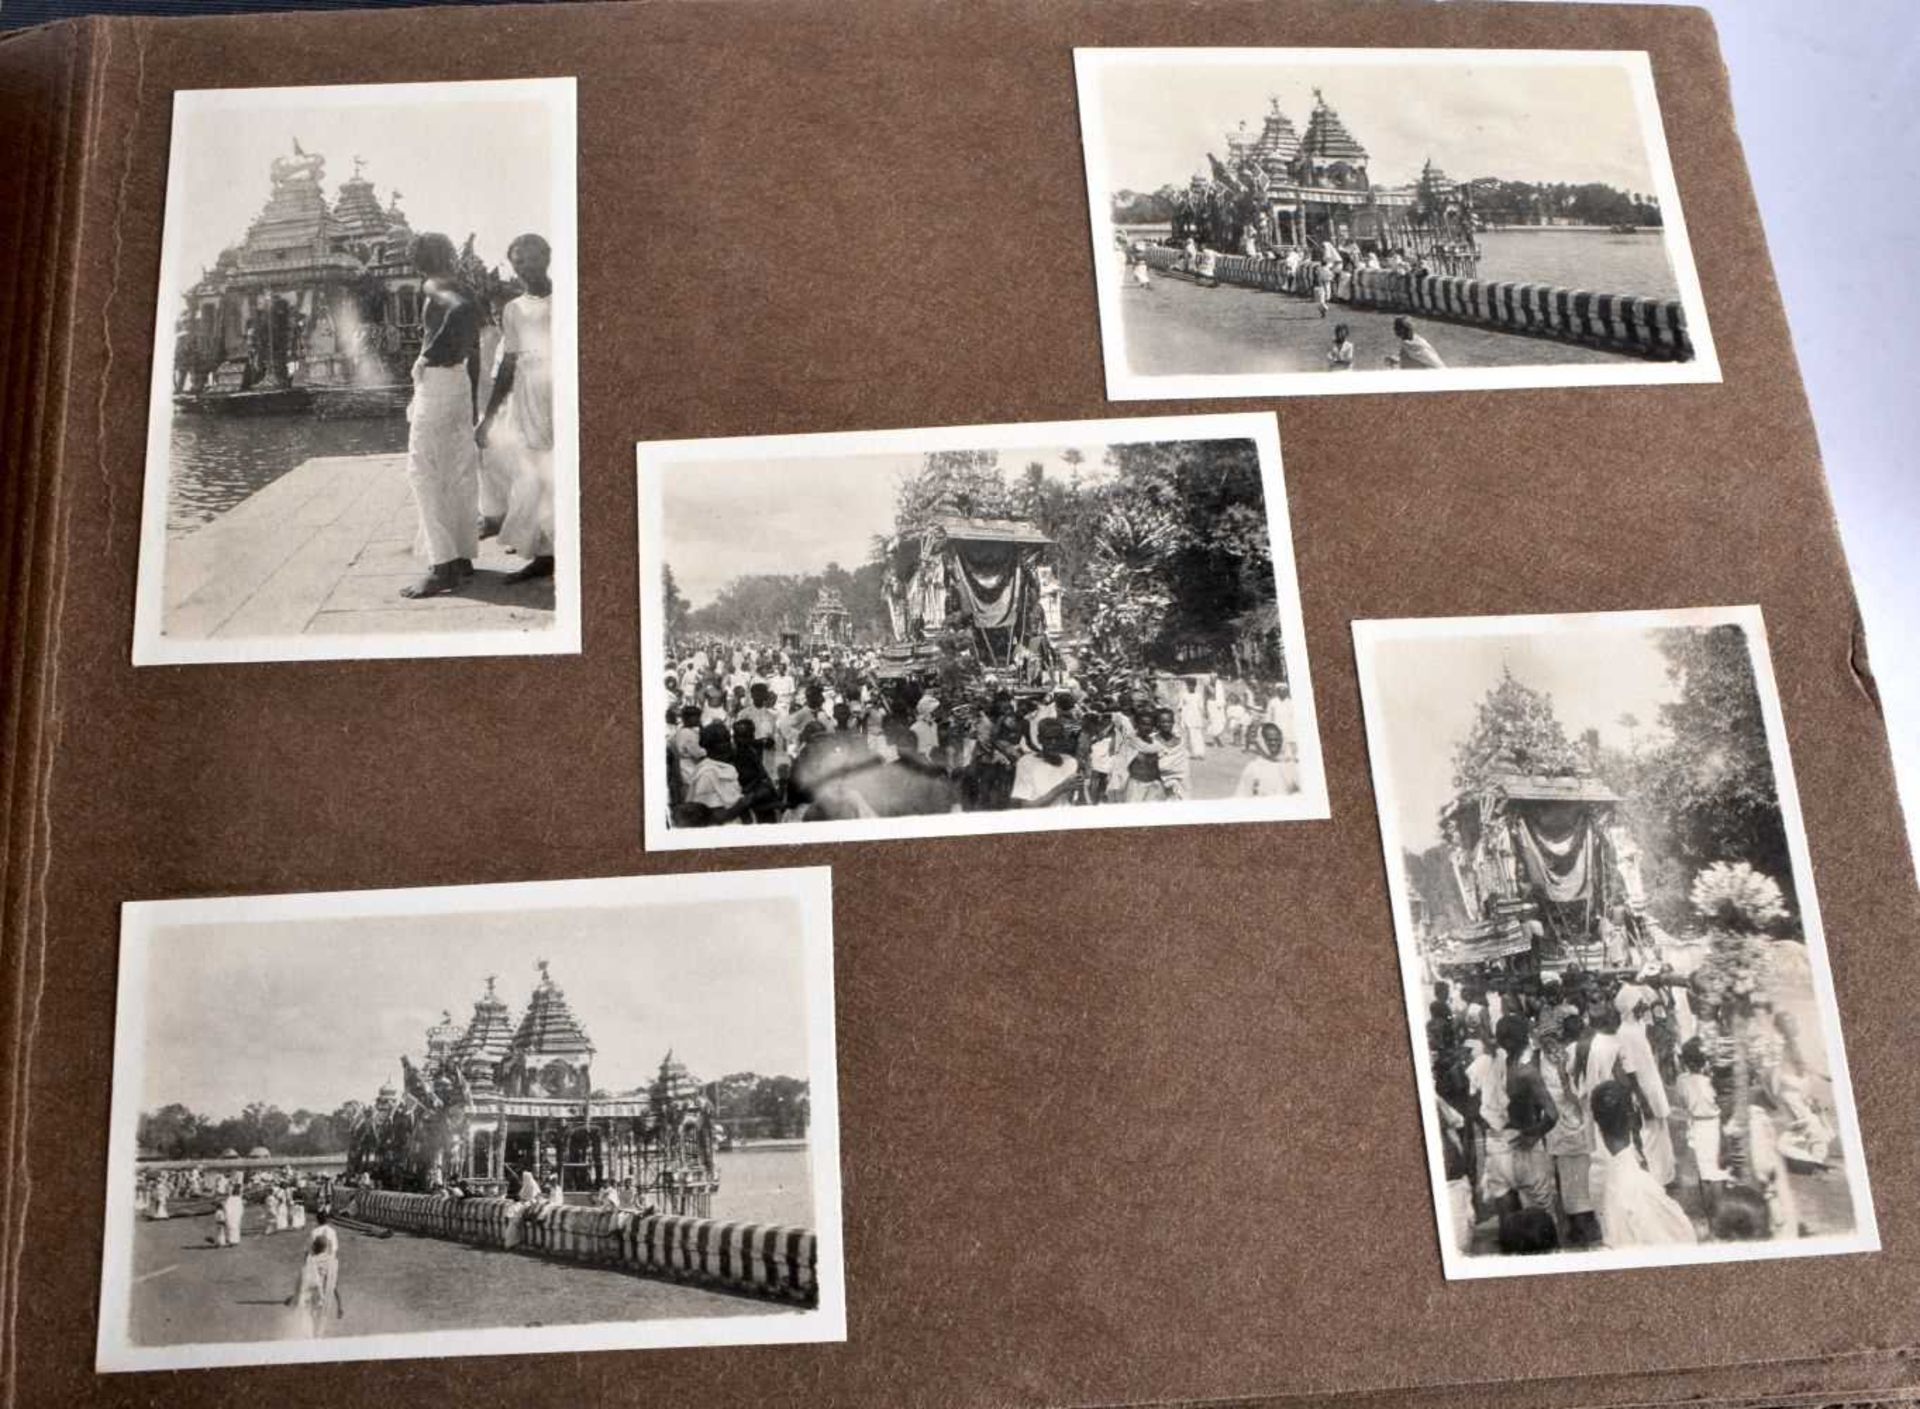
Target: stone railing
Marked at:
1645, 327
764, 1259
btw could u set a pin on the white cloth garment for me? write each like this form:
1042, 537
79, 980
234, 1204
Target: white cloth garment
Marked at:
443, 463
496, 464
528, 336
1635, 1212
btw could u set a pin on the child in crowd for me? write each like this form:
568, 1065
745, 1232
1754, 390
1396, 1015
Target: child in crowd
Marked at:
1340, 355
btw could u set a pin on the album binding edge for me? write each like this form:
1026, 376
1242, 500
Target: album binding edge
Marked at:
48, 83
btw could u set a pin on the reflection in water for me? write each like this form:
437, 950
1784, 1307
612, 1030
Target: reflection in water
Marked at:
1596, 260
216, 461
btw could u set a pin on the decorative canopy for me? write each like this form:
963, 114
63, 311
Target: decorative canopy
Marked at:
441, 1038
1278, 143
1434, 181
1327, 137
295, 226
357, 211
549, 1028
488, 1038
675, 1085
961, 530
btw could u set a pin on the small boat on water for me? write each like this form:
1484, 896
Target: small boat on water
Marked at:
321, 401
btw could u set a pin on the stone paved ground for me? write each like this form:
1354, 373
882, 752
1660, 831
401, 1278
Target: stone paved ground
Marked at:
326, 548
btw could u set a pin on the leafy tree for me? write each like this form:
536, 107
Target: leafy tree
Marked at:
1514, 731
172, 1132
775, 1107
673, 604
1713, 782
1218, 565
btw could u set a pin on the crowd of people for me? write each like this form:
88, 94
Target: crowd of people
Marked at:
284, 1197
1324, 273
480, 423
760, 734
1587, 1110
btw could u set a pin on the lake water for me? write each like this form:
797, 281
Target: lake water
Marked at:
219, 460
1596, 260
765, 1185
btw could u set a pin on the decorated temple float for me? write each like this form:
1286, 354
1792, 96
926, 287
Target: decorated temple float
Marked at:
1413, 248
1546, 875
1281, 188
496, 1098
982, 587
316, 310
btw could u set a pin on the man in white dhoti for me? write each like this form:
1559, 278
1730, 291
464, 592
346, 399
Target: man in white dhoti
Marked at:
1635, 1211
523, 386
443, 462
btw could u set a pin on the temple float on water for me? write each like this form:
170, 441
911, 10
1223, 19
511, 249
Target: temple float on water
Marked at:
1281, 190
494, 1098
316, 309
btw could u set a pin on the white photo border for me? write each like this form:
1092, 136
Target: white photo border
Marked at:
1123, 384
151, 644
1865, 1236
653, 458
142, 922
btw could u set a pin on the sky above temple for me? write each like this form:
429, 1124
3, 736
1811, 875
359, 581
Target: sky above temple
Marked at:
735, 519
312, 1013
461, 167
1429, 691
1554, 123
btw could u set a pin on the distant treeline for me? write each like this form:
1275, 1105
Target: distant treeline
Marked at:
1495, 201
759, 605
176, 1132
777, 1106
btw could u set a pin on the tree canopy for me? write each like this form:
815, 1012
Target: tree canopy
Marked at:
1162, 553
1698, 791
176, 1132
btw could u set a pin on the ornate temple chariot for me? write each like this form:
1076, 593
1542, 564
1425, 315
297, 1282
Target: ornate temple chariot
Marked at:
988, 581
496, 1098
1281, 188
316, 307
1547, 874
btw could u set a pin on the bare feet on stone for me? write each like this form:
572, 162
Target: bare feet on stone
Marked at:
441, 578
536, 568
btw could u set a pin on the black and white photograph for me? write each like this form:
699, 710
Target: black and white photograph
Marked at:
476, 1120
362, 432
971, 629
1626, 1042
1313, 222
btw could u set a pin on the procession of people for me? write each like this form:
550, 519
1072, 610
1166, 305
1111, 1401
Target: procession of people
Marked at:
480, 436
1620, 1110
758, 733
1325, 273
